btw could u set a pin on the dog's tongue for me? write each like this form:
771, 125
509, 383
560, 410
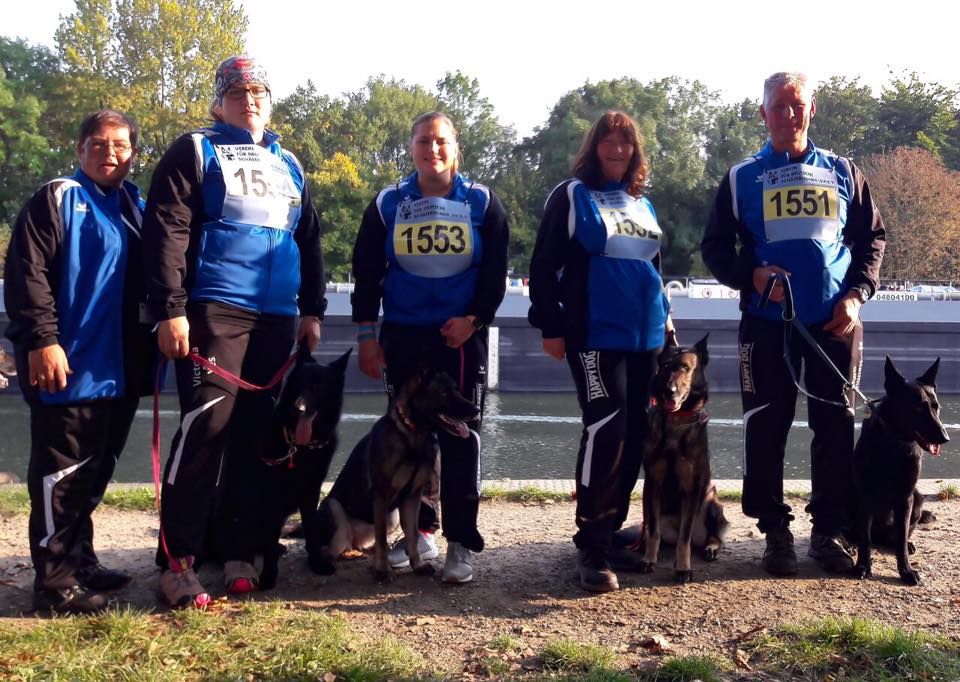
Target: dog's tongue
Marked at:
304, 431
935, 449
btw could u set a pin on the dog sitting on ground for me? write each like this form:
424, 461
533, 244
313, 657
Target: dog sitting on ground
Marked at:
385, 476
680, 504
296, 456
900, 427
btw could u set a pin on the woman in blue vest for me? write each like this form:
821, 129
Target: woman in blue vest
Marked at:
232, 246
73, 283
597, 297
433, 250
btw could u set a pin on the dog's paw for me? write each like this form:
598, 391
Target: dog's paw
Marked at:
711, 553
385, 576
682, 577
861, 571
910, 577
645, 567
911, 548
426, 569
322, 566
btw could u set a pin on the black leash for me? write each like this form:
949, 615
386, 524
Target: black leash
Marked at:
791, 322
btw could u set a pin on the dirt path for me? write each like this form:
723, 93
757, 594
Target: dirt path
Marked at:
525, 586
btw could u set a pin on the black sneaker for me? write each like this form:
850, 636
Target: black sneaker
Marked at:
779, 558
595, 572
74, 599
830, 553
104, 579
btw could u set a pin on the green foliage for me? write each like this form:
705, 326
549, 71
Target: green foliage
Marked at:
689, 668
566, 655
865, 649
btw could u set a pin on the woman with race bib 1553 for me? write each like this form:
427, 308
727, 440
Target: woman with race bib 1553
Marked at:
433, 249
597, 297
232, 247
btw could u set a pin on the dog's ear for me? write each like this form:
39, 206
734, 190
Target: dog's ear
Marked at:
340, 364
701, 348
929, 377
892, 378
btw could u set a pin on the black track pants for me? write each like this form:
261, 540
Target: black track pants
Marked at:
73, 451
405, 348
613, 389
769, 399
221, 429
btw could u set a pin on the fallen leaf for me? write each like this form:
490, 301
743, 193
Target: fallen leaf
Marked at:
750, 634
352, 554
527, 653
656, 644
741, 659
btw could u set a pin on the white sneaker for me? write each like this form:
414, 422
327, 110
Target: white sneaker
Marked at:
458, 567
426, 543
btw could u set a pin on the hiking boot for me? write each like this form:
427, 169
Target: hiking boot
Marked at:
104, 579
73, 599
426, 543
595, 572
830, 553
180, 587
779, 558
240, 577
458, 568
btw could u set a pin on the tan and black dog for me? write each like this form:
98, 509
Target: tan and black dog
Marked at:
901, 426
388, 470
679, 502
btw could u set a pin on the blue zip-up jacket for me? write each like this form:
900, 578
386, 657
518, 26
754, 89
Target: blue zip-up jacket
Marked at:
231, 221
431, 258
64, 282
595, 270
812, 216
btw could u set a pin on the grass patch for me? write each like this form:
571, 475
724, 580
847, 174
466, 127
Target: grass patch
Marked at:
258, 640
16, 500
688, 668
567, 656
504, 643
951, 491
864, 649
527, 493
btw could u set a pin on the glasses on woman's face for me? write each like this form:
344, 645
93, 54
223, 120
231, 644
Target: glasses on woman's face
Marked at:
100, 146
255, 91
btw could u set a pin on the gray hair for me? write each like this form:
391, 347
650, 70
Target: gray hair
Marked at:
784, 78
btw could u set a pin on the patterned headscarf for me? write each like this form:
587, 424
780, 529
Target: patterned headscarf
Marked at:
239, 71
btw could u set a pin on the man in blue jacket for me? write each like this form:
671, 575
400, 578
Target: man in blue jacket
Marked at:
73, 282
805, 213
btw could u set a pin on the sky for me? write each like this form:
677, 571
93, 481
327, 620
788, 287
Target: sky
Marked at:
526, 54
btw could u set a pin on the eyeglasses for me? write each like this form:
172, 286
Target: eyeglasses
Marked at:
257, 92
100, 146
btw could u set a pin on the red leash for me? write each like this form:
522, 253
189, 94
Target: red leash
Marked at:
223, 374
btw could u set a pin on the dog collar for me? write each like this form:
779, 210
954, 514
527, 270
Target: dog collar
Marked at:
292, 449
688, 416
404, 417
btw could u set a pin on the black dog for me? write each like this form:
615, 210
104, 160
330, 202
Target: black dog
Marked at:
296, 455
901, 425
679, 502
387, 471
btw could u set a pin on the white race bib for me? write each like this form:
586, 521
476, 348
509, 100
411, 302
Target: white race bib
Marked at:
259, 187
800, 202
632, 231
433, 237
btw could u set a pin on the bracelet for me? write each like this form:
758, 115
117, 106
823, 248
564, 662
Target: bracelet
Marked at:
369, 336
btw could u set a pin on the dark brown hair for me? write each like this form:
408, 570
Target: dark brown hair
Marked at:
107, 117
587, 167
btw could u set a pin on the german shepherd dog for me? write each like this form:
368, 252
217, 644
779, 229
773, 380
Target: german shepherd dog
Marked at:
296, 456
679, 502
387, 471
900, 427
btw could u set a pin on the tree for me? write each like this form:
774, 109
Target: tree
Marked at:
919, 199
917, 114
847, 118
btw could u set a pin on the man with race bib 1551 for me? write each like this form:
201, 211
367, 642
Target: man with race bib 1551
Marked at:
807, 214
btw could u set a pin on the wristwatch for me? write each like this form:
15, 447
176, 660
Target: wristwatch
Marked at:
477, 324
861, 293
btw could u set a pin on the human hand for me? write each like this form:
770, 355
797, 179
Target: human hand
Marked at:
309, 331
457, 330
370, 358
173, 337
761, 275
846, 314
555, 348
49, 368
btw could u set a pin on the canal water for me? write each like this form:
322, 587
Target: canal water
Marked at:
524, 436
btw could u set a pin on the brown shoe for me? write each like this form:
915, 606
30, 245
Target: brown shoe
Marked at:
780, 558
595, 572
180, 588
